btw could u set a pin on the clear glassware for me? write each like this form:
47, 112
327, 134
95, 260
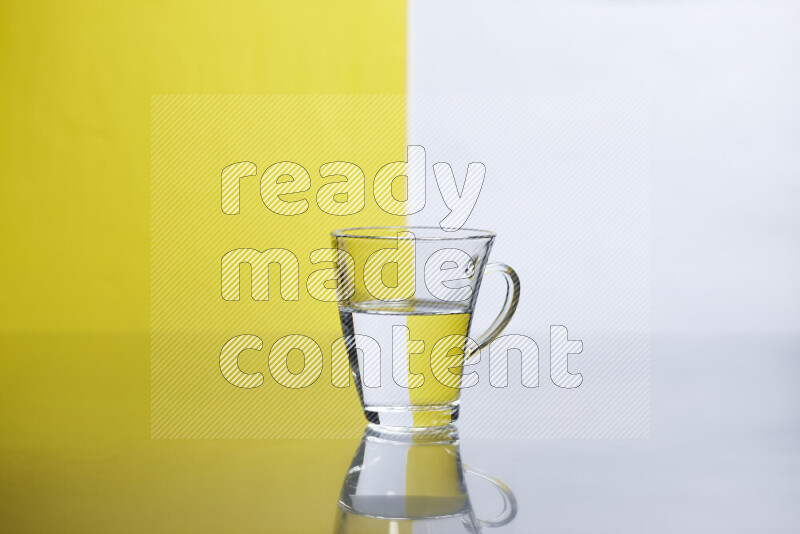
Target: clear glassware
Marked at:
406, 303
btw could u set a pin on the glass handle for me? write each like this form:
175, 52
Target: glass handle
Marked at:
509, 306
509, 500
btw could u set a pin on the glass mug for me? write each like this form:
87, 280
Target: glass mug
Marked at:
406, 298
413, 481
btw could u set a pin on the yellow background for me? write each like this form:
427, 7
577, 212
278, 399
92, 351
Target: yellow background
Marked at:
78, 77
193, 138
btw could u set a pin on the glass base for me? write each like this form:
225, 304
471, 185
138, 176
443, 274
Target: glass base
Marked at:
412, 417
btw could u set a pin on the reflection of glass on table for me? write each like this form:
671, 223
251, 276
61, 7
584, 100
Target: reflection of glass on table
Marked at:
412, 481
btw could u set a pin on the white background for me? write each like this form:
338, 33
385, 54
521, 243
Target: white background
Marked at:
723, 82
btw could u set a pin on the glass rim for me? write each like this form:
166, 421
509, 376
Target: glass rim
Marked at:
362, 232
